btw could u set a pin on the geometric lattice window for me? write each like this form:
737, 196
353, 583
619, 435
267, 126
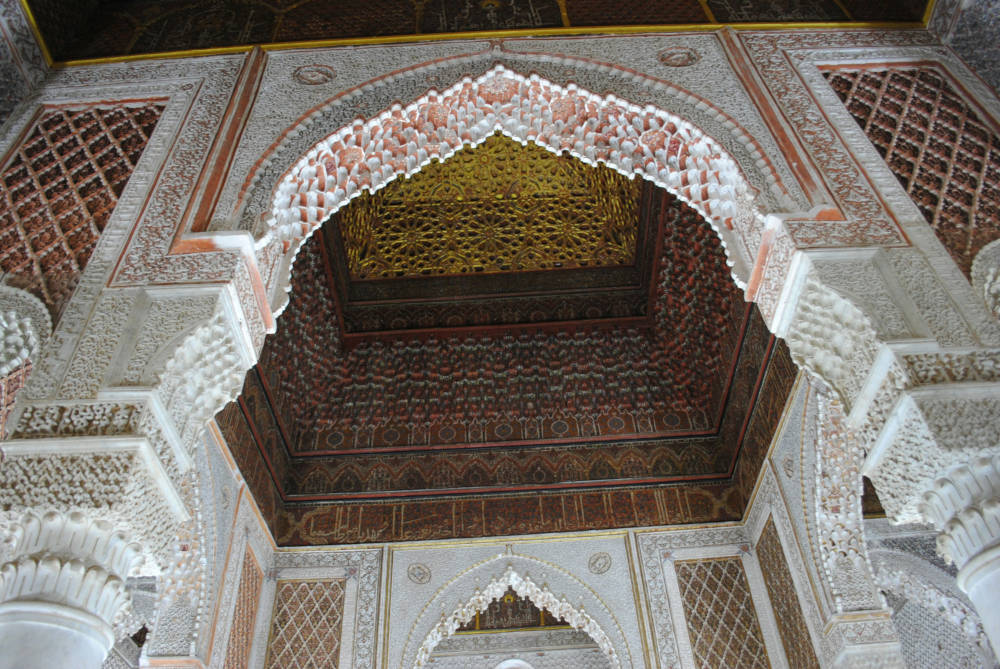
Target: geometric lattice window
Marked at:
721, 618
59, 189
945, 156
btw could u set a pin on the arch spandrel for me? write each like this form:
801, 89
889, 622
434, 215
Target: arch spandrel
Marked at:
246, 198
645, 142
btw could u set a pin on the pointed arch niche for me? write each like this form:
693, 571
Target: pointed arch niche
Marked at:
547, 586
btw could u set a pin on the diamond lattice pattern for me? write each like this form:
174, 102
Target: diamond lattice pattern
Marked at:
721, 618
785, 601
305, 628
245, 614
59, 190
939, 148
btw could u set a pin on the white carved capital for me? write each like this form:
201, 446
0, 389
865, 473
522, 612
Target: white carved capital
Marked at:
62, 592
118, 480
71, 559
964, 504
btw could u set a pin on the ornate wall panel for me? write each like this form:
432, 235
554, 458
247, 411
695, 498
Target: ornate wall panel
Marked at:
942, 149
775, 57
721, 617
60, 186
306, 625
245, 615
785, 601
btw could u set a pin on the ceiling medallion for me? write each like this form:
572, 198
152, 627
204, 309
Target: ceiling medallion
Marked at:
679, 56
314, 75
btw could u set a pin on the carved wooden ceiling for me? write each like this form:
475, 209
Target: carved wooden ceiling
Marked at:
90, 29
633, 388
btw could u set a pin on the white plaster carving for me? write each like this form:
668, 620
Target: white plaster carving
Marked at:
70, 559
549, 586
986, 276
24, 325
205, 373
62, 590
838, 512
831, 337
525, 587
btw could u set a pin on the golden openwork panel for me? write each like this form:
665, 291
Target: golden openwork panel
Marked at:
498, 207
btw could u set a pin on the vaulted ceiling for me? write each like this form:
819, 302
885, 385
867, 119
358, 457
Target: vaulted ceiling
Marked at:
508, 342
92, 29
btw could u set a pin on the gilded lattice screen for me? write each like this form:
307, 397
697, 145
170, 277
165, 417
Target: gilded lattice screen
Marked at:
498, 207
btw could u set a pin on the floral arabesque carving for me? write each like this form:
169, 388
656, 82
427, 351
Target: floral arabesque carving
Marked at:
934, 451
525, 587
114, 485
647, 142
24, 324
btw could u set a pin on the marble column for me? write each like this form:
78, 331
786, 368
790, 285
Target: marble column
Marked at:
964, 505
61, 588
